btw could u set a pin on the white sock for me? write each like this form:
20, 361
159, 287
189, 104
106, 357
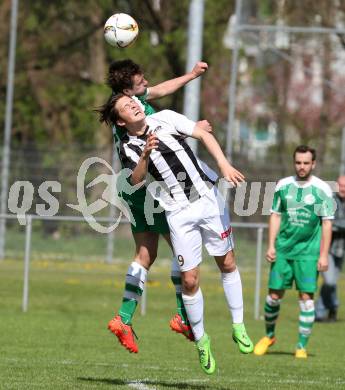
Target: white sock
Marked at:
194, 306
136, 276
233, 293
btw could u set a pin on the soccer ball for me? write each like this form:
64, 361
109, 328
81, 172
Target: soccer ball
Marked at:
120, 30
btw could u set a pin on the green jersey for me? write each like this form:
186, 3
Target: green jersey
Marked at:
119, 131
302, 207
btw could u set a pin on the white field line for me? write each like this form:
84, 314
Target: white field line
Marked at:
139, 385
271, 379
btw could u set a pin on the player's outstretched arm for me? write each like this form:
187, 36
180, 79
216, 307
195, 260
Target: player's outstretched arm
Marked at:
326, 237
227, 170
204, 125
170, 86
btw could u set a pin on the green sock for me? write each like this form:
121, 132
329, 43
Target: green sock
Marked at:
135, 280
181, 309
176, 279
272, 307
127, 310
306, 321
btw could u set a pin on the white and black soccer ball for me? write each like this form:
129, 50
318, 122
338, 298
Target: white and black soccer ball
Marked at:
121, 30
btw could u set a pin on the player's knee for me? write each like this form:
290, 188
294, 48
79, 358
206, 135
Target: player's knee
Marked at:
228, 268
276, 294
190, 283
146, 257
306, 296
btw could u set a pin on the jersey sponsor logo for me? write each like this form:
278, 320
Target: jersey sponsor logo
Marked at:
309, 199
180, 260
156, 129
226, 233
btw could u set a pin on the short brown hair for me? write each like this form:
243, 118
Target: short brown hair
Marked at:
305, 149
120, 75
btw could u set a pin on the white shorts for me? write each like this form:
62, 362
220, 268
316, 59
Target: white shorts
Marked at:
205, 221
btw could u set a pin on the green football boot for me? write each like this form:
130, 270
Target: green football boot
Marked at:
239, 335
207, 362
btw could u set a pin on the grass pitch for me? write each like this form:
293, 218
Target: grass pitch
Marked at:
62, 342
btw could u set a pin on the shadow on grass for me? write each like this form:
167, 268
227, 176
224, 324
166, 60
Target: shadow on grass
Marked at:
286, 353
329, 322
178, 385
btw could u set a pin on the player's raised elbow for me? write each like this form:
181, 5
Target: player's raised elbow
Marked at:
200, 134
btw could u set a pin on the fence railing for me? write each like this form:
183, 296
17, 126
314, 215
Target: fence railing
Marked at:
27, 252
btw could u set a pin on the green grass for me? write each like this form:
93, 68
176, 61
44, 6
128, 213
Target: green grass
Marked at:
84, 245
81, 246
62, 341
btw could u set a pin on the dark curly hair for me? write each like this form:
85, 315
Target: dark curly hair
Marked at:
120, 75
107, 112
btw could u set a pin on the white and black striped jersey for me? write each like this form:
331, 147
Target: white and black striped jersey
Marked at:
176, 176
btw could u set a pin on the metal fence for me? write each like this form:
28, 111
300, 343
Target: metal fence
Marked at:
29, 218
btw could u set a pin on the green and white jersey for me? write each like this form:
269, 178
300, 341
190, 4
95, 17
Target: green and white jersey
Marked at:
119, 131
302, 206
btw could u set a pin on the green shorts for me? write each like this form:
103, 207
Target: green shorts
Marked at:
136, 202
285, 271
